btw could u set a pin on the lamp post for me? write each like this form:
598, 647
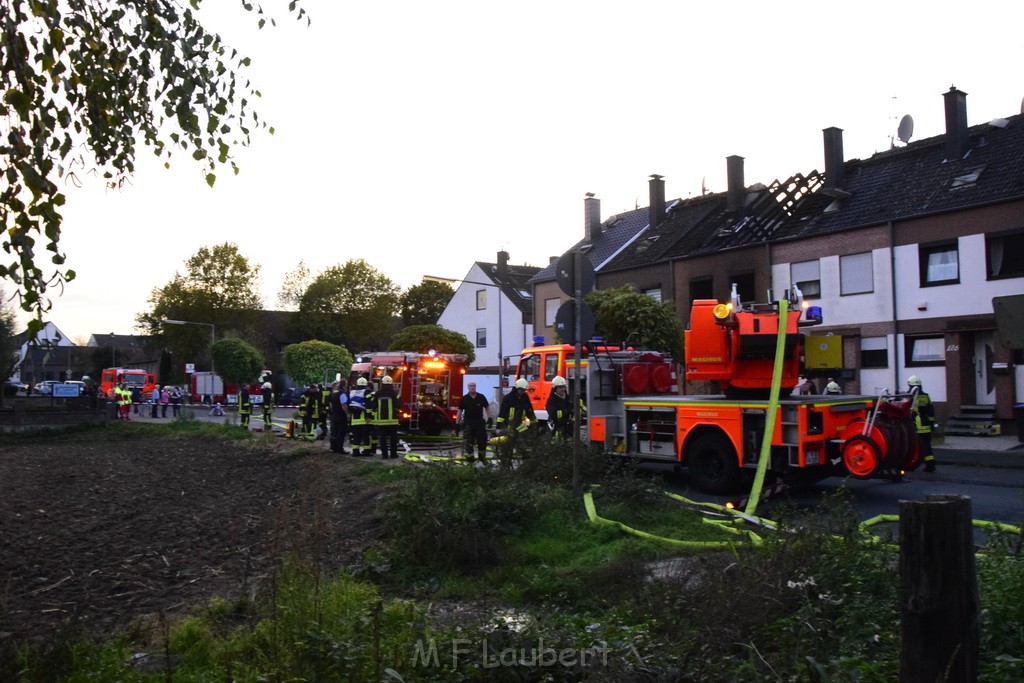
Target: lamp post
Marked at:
113, 351
450, 280
212, 335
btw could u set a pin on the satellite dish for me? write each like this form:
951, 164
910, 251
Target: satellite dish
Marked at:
906, 129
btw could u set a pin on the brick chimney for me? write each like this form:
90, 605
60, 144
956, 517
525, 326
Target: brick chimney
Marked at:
736, 193
957, 138
591, 216
656, 208
503, 262
834, 160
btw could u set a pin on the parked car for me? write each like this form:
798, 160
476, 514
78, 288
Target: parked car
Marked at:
45, 387
14, 388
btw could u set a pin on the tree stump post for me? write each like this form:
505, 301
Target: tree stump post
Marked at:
938, 591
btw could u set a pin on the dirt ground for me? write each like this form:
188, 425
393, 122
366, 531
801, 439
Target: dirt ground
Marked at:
95, 536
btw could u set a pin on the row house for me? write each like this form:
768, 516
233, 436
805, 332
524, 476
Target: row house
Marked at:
904, 252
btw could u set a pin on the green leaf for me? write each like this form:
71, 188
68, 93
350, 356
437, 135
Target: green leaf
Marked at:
211, 179
19, 100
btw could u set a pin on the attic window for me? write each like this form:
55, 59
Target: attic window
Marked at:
653, 238
966, 179
585, 248
523, 293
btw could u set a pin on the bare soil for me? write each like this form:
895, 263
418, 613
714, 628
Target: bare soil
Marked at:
99, 535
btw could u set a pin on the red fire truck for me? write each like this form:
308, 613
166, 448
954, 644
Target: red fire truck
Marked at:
132, 378
635, 410
429, 385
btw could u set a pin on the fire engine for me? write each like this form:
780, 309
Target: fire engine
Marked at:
132, 378
634, 408
429, 385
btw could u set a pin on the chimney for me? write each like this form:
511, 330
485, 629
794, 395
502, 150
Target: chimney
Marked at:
956, 124
591, 216
503, 262
833, 157
656, 209
736, 193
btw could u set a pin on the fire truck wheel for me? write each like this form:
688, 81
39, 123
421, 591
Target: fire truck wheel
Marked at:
713, 464
861, 456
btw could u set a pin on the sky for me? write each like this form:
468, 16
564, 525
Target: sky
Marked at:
423, 137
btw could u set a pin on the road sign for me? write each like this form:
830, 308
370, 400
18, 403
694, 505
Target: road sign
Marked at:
565, 323
565, 273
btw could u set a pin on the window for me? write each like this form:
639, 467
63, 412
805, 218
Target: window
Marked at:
550, 311
481, 337
481, 299
874, 352
654, 293
1004, 256
807, 276
550, 366
856, 274
529, 367
940, 264
926, 350
701, 288
744, 286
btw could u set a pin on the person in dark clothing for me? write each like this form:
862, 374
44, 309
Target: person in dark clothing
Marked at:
514, 417
308, 409
474, 413
268, 406
244, 406
337, 407
559, 407
385, 417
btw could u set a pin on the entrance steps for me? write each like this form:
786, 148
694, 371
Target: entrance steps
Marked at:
974, 421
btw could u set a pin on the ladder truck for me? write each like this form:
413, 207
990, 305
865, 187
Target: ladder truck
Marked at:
635, 410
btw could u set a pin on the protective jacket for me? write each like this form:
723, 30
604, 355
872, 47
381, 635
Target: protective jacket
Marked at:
385, 406
924, 413
515, 412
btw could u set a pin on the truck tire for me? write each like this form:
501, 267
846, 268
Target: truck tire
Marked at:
713, 464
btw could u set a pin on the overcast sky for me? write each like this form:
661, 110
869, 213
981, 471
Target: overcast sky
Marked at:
422, 137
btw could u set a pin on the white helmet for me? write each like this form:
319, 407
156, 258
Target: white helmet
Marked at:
268, 385
361, 382
522, 384
832, 388
386, 379
558, 381
914, 381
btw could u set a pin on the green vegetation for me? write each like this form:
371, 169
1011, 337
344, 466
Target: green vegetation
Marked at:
491, 573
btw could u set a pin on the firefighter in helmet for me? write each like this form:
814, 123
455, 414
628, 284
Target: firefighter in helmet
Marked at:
308, 409
833, 388
244, 406
924, 420
559, 407
515, 415
385, 417
359, 418
268, 406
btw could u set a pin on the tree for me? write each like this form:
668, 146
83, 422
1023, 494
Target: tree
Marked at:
219, 287
623, 313
293, 287
314, 361
350, 305
8, 341
424, 303
237, 361
422, 338
82, 84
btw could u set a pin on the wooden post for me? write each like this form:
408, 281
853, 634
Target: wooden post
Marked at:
938, 591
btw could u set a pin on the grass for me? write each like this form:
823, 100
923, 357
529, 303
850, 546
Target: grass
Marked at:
482, 562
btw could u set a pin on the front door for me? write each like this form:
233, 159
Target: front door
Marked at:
984, 382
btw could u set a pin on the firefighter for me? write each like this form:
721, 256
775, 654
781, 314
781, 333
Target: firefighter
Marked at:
244, 406
514, 417
125, 402
358, 415
323, 411
307, 408
385, 417
924, 419
559, 407
473, 411
268, 406
832, 389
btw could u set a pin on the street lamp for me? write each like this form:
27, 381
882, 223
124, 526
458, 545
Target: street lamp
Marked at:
212, 337
450, 280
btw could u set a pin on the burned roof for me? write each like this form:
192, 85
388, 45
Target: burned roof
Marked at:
917, 180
